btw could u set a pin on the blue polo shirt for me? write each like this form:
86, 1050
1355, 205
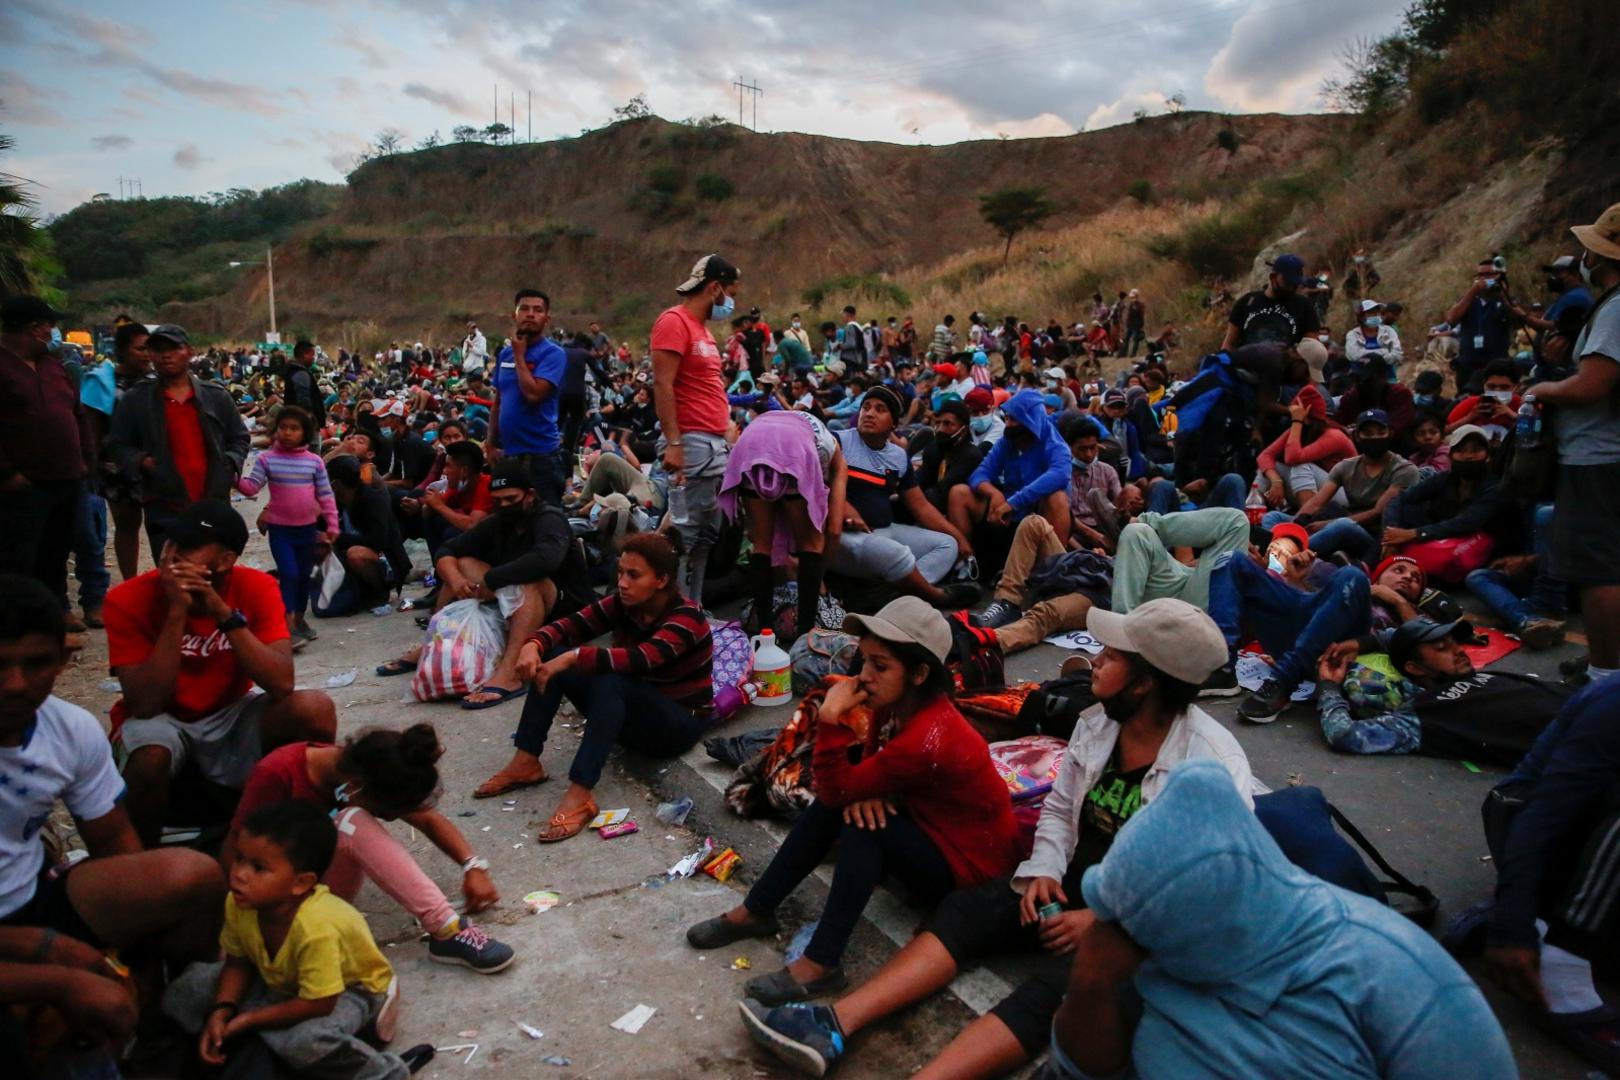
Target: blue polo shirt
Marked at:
525, 428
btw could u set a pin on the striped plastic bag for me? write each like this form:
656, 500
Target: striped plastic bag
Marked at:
464, 643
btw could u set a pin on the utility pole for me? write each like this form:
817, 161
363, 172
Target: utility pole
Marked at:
756, 92
121, 179
270, 279
531, 117
511, 104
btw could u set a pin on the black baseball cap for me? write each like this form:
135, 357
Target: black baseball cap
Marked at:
22, 311
707, 269
510, 474
210, 521
1403, 644
169, 332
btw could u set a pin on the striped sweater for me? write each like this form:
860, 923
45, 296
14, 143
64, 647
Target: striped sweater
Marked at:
673, 653
300, 493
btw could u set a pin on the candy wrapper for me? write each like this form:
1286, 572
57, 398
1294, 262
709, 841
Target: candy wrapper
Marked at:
723, 865
622, 828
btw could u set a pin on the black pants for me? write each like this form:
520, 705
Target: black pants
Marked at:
571, 415
37, 525
900, 847
616, 708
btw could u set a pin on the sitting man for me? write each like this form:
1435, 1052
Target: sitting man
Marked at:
1209, 954
54, 926
1293, 623
1370, 481
371, 546
950, 456
526, 544
449, 509
1522, 591
1096, 495
1449, 521
911, 558
1026, 471
1424, 697
1056, 604
201, 648
1551, 827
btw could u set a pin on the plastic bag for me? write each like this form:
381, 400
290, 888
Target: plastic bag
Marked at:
464, 643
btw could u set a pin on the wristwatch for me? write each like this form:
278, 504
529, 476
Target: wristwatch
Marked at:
236, 620
474, 862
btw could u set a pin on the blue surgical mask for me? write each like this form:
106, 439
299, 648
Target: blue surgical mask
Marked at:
1374, 322
724, 309
1274, 564
344, 793
1080, 464
1423, 399
981, 424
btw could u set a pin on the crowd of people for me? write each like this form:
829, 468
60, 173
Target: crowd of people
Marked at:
1319, 499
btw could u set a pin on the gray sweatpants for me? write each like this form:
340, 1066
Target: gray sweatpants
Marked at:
893, 552
324, 1048
694, 507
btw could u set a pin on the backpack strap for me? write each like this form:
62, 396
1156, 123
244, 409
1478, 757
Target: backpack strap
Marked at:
1428, 905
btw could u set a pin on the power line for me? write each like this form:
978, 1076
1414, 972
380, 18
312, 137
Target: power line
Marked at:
753, 90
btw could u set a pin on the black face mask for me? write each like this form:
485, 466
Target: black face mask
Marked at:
1555, 285
1470, 470
1373, 448
512, 515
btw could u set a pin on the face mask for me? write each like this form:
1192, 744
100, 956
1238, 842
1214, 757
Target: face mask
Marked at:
344, 793
724, 307
981, 424
1080, 464
1586, 271
1469, 470
511, 515
1274, 564
1555, 285
1504, 396
1423, 399
1374, 322
1373, 447
796, 324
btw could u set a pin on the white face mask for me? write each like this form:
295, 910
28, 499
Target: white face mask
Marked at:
1504, 396
1586, 271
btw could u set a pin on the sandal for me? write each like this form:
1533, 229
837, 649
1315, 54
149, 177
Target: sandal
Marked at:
508, 780
503, 694
563, 826
400, 666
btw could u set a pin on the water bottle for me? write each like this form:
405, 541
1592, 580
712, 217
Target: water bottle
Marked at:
1527, 431
677, 502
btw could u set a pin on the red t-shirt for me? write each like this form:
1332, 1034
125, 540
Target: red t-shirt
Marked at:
209, 678
474, 499
279, 776
186, 444
700, 389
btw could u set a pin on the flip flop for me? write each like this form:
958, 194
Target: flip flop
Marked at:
505, 694
566, 826
396, 667
504, 781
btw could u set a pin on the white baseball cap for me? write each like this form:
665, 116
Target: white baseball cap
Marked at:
1171, 635
912, 619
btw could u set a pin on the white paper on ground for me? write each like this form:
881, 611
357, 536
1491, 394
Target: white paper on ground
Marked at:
1076, 639
1252, 671
633, 1021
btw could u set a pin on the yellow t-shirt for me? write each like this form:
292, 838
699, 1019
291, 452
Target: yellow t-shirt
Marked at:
328, 949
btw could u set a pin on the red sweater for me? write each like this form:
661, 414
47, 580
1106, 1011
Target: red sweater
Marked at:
941, 768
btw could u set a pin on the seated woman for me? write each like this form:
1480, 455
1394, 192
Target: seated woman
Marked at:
1119, 759
924, 804
1298, 461
651, 689
379, 776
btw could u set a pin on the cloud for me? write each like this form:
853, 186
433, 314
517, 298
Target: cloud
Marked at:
22, 103
188, 157
353, 38
1124, 108
1275, 59
111, 142
448, 100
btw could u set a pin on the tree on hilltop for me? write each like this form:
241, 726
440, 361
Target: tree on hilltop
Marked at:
1011, 211
634, 109
464, 133
496, 132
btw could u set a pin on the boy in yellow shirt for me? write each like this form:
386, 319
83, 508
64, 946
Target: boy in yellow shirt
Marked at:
301, 970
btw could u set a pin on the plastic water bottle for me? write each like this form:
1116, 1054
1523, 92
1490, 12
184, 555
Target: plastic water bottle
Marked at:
677, 503
1527, 431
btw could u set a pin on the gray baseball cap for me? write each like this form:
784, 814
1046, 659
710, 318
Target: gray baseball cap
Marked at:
908, 619
1171, 635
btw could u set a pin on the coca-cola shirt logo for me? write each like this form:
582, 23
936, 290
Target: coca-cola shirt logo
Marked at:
202, 647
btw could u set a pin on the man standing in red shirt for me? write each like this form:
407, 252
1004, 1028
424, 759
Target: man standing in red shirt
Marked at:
693, 411
201, 648
179, 437
45, 445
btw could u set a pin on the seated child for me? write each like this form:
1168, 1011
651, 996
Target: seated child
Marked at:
301, 970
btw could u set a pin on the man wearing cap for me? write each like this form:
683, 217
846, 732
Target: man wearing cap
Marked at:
1373, 389
693, 413
1587, 427
1276, 313
1372, 338
201, 649
1463, 505
1483, 321
871, 544
474, 349
1574, 299
1370, 481
1421, 695
178, 438
46, 447
523, 422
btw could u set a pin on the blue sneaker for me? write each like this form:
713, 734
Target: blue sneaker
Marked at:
472, 948
805, 1037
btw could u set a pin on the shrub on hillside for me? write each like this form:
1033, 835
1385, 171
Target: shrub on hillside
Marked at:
863, 286
666, 178
1141, 191
713, 187
1227, 140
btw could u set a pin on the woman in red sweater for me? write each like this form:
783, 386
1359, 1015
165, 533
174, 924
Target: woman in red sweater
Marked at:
923, 802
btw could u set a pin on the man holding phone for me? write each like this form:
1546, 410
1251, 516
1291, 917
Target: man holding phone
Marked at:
1482, 317
523, 424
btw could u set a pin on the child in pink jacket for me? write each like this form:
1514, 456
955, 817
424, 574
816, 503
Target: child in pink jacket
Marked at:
301, 502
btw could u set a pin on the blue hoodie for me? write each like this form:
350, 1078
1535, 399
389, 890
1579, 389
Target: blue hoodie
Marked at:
1027, 475
1256, 968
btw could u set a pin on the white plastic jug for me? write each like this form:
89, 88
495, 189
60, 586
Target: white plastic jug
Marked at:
773, 671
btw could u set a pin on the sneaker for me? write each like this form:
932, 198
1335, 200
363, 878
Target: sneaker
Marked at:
93, 619
718, 932
1222, 682
1265, 704
472, 948
998, 614
968, 570
958, 595
805, 1037
305, 631
416, 1057
1538, 634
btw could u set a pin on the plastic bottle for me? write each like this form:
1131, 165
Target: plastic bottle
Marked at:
729, 700
1527, 431
773, 671
1255, 505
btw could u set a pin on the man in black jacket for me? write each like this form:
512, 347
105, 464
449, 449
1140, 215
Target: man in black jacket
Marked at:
950, 456
525, 543
371, 545
298, 388
178, 438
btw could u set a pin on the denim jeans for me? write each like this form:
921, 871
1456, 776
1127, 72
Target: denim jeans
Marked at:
616, 708
1229, 491
1342, 534
1519, 602
90, 552
900, 847
1293, 625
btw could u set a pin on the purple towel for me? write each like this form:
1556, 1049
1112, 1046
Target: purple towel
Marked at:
776, 457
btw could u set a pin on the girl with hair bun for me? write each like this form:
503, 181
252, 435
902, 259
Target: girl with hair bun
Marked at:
384, 775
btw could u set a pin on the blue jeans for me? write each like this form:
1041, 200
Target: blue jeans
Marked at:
1293, 625
90, 552
1229, 491
1518, 602
616, 708
293, 548
900, 847
1342, 534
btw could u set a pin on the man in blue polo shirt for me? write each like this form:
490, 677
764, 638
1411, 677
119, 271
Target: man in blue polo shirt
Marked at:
523, 424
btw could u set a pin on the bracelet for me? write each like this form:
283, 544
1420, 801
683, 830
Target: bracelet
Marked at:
474, 862
231, 1005
47, 938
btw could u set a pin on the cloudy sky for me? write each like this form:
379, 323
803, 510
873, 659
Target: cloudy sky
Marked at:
197, 97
